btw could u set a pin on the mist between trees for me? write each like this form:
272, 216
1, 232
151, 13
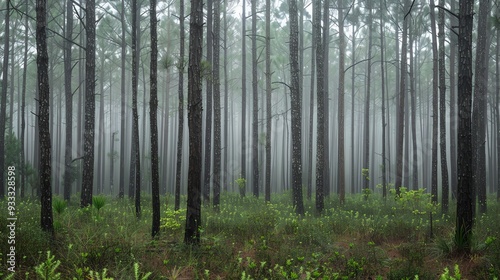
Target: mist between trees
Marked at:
321, 98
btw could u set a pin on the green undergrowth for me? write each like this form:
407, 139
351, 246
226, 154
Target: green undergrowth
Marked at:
248, 238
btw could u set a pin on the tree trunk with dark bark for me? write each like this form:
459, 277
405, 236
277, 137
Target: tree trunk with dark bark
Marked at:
69, 99
217, 107
180, 135
88, 135
465, 193
479, 111
42, 62
296, 104
193, 213
153, 107
3, 101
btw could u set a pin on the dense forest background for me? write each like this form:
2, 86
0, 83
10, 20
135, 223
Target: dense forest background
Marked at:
323, 102
362, 50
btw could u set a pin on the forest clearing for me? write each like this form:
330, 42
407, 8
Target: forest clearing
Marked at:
367, 238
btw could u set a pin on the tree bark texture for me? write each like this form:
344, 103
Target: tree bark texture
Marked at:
193, 213
42, 61
89, 127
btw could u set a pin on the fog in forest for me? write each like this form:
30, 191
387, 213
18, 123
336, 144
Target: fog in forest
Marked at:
348, 97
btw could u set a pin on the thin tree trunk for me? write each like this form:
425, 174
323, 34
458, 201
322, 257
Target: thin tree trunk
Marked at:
442, 113
193, 213
268, 103
180, 135
255, 105
88, 135
217, 106
3, 102
366, 123
208, 111
413, 119
465, 205
243, 99
402, 95
42, 62
453, 104
382, 72
435, 114
479, 113
69, 100
23, 103
341, 159
135, 116
153, 107
296, 105
320, 152
121, 191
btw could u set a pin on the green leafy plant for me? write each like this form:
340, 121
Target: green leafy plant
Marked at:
47, 269
172, 220
59, 205
241, 182
98, 202
139, 275
99, 276
446, 275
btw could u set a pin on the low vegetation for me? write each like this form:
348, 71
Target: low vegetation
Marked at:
367, 238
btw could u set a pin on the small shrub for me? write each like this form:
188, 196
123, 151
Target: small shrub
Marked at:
98, 202
59, 205
47, 269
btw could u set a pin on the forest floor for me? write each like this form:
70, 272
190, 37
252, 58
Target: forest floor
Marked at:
366, 238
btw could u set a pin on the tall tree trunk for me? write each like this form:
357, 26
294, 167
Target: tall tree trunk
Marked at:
384, 124
153, 107
326, 99
243, 99
217, 107
311, 115
255, 105
226, 104
402, 95
366, 123
42, 62
3, 102
497, 106
135, 116
296, 102
320, 153
453, 104
341, 159
413, 119
208, 112
121, 191
479, 110
180, 135
465, 199
23, 102
193, 213
268, 102
442, 113
354, 175
88, 135
435, 114
69, 99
